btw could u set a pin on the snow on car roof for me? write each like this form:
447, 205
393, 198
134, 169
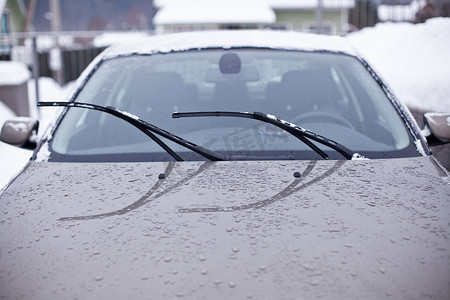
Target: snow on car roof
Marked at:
176, 42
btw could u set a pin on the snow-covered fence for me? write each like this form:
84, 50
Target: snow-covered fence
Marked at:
62, 56
75, 61
369, 12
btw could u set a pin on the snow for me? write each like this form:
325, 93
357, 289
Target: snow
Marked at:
13, 159
233, 11
420, 147
413, 59
16, 126
110, 38
232, 38
125, 113
214, 12
357, 156
309, 4
13, 73
400, 12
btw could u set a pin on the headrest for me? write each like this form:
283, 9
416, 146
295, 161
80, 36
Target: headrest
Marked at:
230, 63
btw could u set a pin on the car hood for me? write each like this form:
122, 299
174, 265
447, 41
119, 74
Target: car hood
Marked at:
366, 229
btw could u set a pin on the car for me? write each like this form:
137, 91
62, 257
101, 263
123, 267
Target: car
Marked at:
228, 164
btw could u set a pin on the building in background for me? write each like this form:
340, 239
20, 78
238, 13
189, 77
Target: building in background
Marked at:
12, 19
13, 16
301, 15
83, 28
173, 16
96, 15
330, 16
181, 15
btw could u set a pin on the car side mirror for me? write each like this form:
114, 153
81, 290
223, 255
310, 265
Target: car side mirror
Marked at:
20, 132
437, 128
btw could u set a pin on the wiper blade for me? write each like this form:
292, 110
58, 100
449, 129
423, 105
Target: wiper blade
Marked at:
147, 128
301, 133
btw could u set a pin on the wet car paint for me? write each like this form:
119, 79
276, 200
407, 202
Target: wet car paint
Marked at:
342, 229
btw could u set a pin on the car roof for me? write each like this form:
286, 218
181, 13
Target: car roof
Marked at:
225, 39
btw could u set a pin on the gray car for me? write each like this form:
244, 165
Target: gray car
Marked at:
228, 165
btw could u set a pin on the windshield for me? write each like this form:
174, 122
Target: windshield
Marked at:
330, 94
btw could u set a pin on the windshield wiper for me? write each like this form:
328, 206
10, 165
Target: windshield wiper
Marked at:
301, 133
146, 128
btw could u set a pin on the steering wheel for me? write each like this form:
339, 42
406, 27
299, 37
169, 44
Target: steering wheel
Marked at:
322, 116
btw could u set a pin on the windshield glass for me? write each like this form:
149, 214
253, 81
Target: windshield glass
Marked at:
330, 94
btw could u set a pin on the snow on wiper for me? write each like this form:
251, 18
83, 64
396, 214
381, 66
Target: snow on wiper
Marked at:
301, 133
147, 128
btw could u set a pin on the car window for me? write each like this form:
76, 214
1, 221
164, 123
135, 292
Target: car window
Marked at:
331, 94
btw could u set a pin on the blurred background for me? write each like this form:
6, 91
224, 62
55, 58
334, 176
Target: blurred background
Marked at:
66, 35
46, 44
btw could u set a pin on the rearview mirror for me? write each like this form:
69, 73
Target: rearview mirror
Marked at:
20, 132
437, 128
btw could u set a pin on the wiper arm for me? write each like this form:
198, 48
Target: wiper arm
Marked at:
147, 128
301, 133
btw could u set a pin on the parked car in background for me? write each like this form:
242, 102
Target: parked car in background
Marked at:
232, 164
